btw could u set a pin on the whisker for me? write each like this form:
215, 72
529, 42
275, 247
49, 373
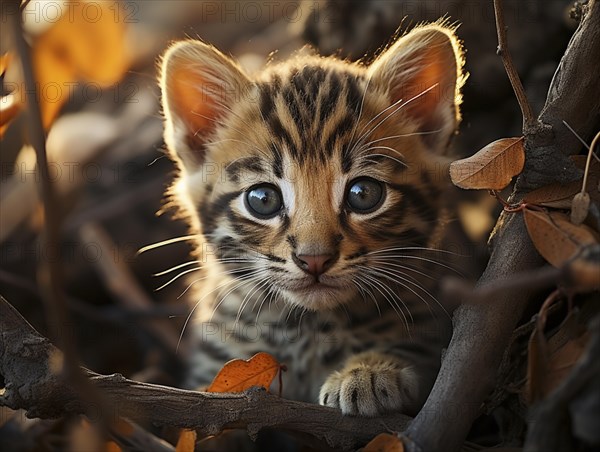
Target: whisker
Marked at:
177, 267
175, 278
399, 108
165, 242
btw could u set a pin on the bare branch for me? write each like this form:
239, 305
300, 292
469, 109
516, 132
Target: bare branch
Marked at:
528, 117
25, 364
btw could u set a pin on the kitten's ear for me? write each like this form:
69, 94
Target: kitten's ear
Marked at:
423, 71
199, 84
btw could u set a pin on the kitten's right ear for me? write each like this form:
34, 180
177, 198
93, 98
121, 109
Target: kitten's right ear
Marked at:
199, 84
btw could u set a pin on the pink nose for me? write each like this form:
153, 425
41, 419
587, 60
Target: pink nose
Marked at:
315, 264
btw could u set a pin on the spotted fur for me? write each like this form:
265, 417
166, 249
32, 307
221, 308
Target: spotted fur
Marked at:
365, 335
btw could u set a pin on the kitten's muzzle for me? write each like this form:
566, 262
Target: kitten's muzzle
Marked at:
315, 264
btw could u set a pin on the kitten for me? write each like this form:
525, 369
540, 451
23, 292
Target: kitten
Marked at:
313, 189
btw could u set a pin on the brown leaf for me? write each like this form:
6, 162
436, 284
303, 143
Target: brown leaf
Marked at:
555, 237
560, 196
186, 441
238, 374
492, 168
79, 47
557, 195
551, 360
384, 442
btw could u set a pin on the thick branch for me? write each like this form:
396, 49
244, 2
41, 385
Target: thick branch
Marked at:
482, 331
25, 358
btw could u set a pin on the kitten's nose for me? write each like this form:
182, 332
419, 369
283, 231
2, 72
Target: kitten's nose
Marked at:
315, 265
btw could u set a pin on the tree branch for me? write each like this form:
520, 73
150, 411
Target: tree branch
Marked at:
528, 118
482, 331
26, 360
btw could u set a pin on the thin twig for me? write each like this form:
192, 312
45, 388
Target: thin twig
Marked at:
51, 269
528, 116
588, 161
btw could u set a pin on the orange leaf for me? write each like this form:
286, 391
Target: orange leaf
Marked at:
492, 168
4, 61
86, 43
238, 375
384, 442
111, 446
186, 441
555, 237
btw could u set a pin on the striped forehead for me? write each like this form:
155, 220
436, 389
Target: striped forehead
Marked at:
312, 112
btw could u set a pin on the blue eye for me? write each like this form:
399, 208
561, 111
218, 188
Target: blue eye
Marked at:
264, 201
365, 195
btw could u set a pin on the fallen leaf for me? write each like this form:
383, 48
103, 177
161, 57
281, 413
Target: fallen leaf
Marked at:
555, 237
384, 442
238, 375
186, 441
492, 168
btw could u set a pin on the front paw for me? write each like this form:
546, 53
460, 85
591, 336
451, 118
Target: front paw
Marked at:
370, 385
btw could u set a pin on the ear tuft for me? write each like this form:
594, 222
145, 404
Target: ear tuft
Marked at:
199, 84
423, 72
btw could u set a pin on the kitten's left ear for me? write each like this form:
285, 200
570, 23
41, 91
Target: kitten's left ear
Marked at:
199, 85
423, 72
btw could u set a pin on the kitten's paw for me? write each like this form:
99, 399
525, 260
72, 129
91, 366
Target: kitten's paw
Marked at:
369, 385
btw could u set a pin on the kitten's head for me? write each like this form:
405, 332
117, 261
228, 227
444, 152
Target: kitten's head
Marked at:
315, 172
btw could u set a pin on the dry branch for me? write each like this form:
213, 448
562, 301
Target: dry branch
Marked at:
482, 331
25, 361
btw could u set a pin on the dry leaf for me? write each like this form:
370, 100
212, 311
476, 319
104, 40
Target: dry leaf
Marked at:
384, 442
186, 441
558, 196
79, 47
238, 375
580, 208
555, 237
492, 168
551, 360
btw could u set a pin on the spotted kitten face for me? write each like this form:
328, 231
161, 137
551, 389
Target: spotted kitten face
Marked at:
315, 172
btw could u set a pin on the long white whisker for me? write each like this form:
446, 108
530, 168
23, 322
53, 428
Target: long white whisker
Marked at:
165, 242
412, 99
177, 267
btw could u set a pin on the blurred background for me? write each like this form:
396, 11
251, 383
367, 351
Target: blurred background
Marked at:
96, 67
